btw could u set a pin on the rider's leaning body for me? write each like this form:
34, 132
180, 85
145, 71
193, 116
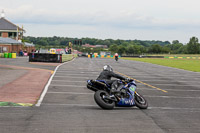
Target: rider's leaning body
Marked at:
116, 56
107, 74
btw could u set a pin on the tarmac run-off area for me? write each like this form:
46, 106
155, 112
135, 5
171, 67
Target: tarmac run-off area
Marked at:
69, 107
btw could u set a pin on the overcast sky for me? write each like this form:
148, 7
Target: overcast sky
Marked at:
164, 20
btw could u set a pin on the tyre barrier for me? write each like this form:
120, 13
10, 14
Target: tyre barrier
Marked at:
7, 55
13, 55
1, 55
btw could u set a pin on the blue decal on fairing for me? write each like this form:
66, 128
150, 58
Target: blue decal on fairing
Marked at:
126, 101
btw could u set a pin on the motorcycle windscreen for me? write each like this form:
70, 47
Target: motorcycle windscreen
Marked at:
132, 89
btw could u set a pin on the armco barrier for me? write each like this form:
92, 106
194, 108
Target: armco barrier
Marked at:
44, 57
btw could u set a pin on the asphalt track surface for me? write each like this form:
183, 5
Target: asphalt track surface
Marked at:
69, 107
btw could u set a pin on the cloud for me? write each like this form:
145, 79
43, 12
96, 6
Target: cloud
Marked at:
125, 18
161, 18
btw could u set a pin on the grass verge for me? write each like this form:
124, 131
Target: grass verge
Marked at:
8, 104
190, 65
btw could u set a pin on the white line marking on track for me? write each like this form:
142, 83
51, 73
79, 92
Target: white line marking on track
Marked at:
172, 108
76, 72
82, 105
73, 74
166, 76
75, 77
73, 93
67, 85
175, 85
184, 81
172, 97
69, 81
47, 85
168, 90
149, 108
77, 93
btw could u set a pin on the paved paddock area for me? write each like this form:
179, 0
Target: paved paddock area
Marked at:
22, 82
69, 107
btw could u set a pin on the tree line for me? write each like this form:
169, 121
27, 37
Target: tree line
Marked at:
123, 47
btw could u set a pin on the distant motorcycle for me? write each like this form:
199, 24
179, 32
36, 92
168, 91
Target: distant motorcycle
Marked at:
127, 96
116, 58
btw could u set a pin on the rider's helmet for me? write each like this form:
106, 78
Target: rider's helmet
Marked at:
107, 68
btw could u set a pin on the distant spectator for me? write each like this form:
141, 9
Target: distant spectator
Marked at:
25, 53
69, 51
21, 52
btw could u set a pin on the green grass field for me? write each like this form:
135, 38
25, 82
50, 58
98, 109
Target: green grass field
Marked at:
191, 65
178, 55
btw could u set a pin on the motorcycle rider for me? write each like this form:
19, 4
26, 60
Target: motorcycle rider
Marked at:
116, 56
107, 74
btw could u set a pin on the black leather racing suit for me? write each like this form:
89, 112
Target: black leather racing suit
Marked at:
107, 75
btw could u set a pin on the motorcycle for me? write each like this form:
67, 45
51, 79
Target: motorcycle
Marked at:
116, 58
127, 96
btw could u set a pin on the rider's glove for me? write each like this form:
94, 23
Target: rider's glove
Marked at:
127, 79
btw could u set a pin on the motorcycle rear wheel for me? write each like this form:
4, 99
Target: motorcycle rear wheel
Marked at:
140, 101
101, 101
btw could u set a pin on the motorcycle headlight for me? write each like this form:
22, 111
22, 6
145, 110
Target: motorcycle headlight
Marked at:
89, 82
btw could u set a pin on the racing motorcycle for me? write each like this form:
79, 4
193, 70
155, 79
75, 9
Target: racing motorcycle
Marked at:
116, 58
126, 96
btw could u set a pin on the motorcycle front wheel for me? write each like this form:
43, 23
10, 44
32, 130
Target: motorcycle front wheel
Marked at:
102, 99
140, 101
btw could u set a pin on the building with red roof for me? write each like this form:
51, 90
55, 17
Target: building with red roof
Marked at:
11, 36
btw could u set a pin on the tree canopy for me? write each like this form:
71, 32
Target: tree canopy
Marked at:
123, 47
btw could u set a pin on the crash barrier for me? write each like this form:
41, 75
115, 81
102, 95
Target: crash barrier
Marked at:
101, 56
166, 57
47, 57
151, 56
144, 56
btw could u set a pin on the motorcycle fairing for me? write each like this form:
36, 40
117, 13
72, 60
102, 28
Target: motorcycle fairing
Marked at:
127, 102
